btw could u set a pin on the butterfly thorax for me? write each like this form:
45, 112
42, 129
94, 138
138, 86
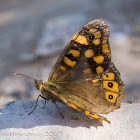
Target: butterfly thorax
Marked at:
47, 89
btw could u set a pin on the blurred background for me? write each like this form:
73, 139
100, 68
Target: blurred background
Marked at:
48, 25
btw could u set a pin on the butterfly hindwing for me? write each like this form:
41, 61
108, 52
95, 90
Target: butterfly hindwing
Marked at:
95, 95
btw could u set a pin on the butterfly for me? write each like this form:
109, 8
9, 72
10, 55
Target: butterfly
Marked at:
84, 77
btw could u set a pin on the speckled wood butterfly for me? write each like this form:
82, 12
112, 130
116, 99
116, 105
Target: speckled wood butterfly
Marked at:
84, 77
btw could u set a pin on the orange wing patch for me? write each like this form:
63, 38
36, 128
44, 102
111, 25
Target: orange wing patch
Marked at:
97, 34
94, 81
99, 69
111, 85
75, 36
92, 30
87, 71
89, 53
62, 68
111, 96
82, 40
75, 53
109, 76
96, 116
97, 41
69, 62
105, 48
98, 59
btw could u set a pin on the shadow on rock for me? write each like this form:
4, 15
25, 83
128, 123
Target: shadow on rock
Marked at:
15, 115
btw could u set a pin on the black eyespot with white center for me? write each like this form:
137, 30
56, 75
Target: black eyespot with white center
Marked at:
110, 96
110, 84
91, 37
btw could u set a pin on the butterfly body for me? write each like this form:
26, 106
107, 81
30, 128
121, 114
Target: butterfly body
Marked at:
84, 76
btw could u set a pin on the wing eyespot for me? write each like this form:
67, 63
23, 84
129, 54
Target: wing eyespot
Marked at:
91, 37
110, 84
91, 113
107, 75
110, 96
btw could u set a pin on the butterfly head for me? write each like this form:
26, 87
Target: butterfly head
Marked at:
39, 84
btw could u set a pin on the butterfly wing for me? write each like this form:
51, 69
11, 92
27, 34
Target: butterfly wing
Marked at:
95, 95
80, 72
87, 53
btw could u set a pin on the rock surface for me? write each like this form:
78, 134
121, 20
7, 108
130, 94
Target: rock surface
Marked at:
15, 123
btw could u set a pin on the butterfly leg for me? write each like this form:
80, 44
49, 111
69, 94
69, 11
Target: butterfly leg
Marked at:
45, 101
37, 103
44, 104
59, 111
54, 101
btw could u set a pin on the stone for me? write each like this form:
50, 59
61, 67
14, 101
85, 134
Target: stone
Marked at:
15, 123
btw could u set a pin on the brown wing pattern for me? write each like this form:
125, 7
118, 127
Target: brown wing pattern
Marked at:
84, 75
96, 95
87, 53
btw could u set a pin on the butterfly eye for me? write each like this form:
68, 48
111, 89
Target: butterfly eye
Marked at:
110, 96
91, 37
110, 84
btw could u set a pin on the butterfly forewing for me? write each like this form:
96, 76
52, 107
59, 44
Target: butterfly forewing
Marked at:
87, 54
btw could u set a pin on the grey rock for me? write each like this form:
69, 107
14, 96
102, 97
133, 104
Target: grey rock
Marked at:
46, 123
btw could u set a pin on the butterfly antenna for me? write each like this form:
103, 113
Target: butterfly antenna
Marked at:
36, 61
24, 75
